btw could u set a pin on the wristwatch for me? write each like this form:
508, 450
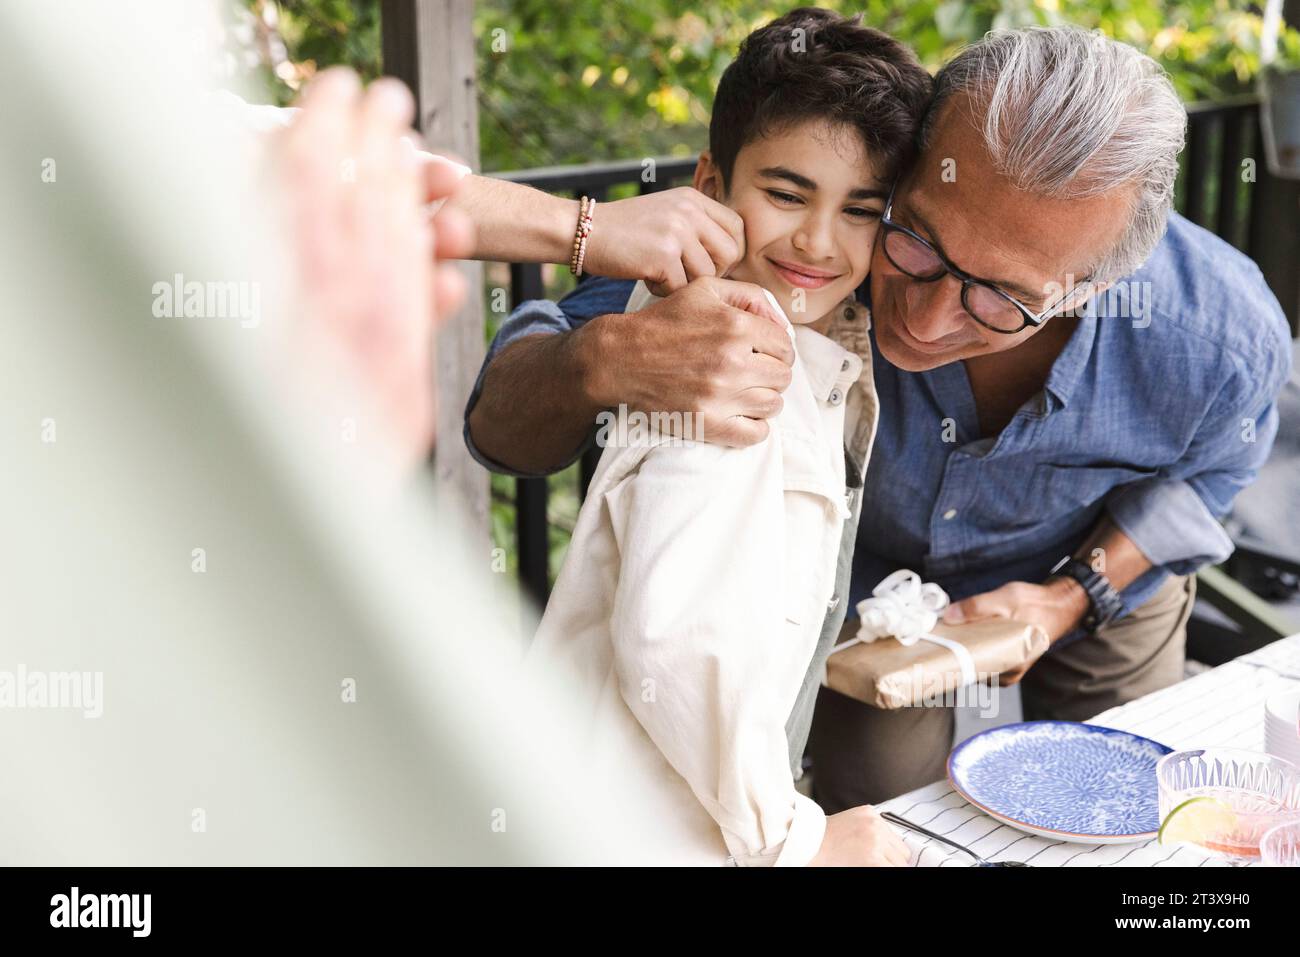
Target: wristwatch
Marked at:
1104, 602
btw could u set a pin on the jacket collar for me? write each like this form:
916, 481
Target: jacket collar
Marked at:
835, 359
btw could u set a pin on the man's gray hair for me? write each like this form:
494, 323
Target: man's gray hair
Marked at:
1069, 112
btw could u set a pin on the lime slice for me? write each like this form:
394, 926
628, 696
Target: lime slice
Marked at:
1196, 821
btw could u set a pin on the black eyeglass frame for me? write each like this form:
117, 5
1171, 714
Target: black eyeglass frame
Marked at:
889, 224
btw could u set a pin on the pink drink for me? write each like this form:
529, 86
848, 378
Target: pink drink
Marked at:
1262, 790
1256, 815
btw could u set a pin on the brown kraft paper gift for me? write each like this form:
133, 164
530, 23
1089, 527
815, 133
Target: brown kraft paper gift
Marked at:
887, 674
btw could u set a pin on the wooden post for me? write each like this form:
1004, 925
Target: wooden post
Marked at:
430, 46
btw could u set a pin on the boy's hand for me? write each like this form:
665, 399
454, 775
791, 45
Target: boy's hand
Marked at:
714, 349
859, 837
666, 238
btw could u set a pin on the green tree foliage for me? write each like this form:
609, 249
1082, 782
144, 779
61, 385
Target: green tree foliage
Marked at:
572, 81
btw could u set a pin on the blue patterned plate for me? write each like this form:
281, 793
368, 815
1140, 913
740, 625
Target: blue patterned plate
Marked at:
1062, 780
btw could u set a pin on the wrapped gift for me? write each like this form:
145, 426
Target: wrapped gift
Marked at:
903, 656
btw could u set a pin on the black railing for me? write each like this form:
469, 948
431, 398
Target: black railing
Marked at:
1224, 185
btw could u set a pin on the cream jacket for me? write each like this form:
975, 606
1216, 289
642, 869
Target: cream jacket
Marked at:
693, 594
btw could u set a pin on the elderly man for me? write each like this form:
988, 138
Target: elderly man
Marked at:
1074, 384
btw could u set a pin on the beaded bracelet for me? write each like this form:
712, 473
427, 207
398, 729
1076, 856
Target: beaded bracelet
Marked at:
585, 210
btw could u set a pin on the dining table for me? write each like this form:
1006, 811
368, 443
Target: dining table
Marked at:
1221, 707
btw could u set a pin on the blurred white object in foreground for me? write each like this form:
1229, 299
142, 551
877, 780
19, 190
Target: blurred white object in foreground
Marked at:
212, 551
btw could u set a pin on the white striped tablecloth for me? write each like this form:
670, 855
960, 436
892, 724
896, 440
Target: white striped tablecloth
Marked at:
1223, 707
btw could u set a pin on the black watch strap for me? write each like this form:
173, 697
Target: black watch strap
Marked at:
1104, 602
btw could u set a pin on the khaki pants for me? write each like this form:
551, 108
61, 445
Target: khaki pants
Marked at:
865, 755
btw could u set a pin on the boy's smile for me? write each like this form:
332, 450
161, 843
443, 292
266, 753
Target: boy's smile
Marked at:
811, 202
806, 277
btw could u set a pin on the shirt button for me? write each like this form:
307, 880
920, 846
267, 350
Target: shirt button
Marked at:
836, 397
949, 515
833, 603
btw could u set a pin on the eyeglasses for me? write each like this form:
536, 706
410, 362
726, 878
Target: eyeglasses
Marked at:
988, 305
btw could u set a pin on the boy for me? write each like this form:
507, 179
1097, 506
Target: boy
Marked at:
700, 586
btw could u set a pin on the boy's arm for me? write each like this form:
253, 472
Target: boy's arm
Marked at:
706, 655
666, 238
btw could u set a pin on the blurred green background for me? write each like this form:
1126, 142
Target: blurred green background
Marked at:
587, 80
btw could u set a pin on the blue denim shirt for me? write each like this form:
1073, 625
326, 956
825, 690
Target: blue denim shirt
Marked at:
1157, 416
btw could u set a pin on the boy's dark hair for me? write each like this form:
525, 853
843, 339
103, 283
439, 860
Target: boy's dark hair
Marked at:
834, 70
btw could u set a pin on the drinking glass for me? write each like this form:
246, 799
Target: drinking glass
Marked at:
1280, 847
1263, 790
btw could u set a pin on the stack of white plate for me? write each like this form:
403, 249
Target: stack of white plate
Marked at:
1282, 726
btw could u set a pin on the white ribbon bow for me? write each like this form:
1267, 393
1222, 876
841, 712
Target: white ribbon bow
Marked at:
907, 609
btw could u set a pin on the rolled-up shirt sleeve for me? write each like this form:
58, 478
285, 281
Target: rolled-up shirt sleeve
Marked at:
1175, 518
595, 297
706, 657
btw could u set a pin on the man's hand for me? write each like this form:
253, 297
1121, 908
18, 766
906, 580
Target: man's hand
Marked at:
1057, 607
714, 349
666, 238
859, 837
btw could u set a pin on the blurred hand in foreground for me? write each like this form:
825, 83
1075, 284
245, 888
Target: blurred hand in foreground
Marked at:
367, 252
